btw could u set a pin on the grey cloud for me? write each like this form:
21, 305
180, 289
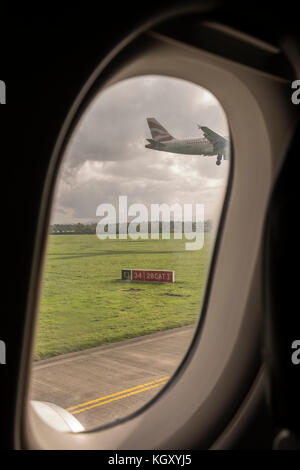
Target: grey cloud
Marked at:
106, 156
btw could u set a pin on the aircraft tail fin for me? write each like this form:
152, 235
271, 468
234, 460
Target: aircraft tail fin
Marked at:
158, 132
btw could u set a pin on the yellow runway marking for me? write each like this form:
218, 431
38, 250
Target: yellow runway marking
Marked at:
117, 396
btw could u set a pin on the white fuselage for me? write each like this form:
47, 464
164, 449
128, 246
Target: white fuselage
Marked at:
187, 146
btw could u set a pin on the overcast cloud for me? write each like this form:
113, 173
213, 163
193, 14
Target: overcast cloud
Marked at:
106, 156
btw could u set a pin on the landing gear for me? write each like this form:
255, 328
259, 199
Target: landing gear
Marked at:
219, 158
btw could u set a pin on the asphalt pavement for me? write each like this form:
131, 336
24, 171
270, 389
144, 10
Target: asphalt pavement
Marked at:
101, 385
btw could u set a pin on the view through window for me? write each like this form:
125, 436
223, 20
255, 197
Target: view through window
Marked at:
136, 206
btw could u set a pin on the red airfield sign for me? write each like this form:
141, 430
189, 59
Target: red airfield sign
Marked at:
147, 275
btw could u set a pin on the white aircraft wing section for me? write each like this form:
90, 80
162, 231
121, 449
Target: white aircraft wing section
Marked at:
212, 136
219, 143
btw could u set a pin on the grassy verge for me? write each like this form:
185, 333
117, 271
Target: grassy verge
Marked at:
85, 304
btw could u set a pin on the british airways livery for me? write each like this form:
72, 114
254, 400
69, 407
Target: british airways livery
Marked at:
211, 144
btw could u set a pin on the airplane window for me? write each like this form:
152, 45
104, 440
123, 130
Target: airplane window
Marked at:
136, 208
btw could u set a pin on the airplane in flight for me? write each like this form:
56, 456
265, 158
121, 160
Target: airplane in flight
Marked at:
211, 144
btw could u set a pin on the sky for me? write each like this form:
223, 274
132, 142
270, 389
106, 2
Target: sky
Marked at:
106, 156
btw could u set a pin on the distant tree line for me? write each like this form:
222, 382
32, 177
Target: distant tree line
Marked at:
76, 229
80, 229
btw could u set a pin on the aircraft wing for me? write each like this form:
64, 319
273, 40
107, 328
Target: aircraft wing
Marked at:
219, 142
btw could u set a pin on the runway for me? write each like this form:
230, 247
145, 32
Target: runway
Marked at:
104, 384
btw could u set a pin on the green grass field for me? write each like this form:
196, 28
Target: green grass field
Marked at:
84, 303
